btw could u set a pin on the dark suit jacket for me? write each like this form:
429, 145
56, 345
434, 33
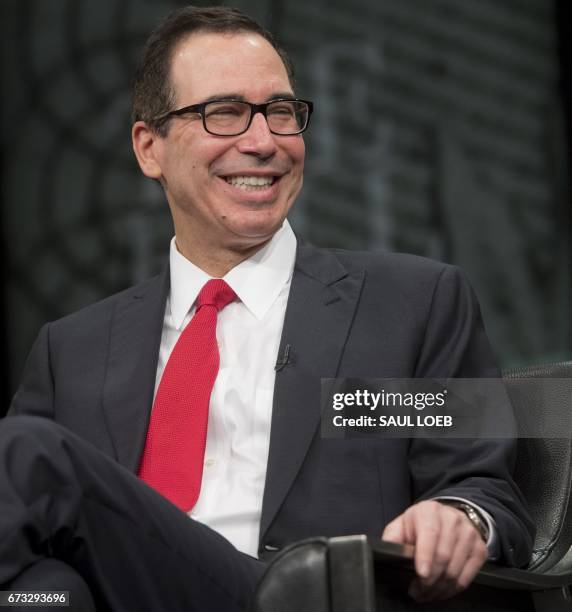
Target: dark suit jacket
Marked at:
348, 315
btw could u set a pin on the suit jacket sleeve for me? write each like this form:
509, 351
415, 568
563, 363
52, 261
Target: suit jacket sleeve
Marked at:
455, 345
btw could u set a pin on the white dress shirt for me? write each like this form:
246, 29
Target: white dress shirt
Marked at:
248, 334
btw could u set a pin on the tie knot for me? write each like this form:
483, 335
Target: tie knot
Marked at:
215, 293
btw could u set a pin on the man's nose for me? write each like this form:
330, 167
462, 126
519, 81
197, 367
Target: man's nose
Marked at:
258, 139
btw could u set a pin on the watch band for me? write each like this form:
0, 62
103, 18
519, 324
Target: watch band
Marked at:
472, 514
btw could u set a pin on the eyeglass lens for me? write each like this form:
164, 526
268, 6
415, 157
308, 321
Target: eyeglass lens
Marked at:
230, 118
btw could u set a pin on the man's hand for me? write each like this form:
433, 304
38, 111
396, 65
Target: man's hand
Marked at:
449, 551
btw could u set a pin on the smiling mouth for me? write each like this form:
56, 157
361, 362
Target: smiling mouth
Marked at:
251, 183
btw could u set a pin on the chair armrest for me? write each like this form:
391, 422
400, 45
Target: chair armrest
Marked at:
401, 557
297, 579
352, 572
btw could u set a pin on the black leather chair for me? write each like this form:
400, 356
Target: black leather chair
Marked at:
358, 574
544, 465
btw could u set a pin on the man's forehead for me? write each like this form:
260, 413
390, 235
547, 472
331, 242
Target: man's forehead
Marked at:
235, 95
207, 41
216, 64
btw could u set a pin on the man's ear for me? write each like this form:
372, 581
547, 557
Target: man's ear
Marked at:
145, 142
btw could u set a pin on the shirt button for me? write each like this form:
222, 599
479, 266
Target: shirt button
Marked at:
209, 463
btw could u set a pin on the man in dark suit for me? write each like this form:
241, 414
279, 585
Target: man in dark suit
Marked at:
217, 123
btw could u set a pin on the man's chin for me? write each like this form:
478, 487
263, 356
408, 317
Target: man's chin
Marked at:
254, 234
259, 225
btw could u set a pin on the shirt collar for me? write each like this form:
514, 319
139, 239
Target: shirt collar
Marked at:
257, 281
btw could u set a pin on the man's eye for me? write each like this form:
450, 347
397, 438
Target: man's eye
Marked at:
282, 109
221, 111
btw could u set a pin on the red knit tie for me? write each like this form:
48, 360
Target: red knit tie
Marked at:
172, 461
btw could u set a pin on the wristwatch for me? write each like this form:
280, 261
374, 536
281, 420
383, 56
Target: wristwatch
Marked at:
472, 514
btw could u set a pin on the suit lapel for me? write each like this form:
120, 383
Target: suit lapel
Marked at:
323, 298
132, 364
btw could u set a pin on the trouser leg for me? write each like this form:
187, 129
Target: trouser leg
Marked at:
61, 498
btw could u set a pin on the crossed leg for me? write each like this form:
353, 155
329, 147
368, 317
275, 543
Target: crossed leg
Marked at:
61, 498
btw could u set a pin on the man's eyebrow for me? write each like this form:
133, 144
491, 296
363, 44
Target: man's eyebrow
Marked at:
284, 95
223, 97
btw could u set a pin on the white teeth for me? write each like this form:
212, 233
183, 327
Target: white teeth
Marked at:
249, 182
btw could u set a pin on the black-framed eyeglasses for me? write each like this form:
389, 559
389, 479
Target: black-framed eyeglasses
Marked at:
285, 117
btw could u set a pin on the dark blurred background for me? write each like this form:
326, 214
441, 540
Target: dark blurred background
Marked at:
441, 128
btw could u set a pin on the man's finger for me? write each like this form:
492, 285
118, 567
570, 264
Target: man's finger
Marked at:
472, 566
427, 528
448, 583
446, 544
467, 540
448, 587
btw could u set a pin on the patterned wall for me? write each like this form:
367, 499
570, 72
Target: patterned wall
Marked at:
453, 148
438, 130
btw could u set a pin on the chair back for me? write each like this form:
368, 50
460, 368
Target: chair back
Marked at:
544, 465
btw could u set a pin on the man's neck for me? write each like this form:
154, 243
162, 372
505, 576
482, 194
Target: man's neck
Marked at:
216, 262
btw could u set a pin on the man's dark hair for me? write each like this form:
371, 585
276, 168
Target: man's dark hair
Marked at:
153, 93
